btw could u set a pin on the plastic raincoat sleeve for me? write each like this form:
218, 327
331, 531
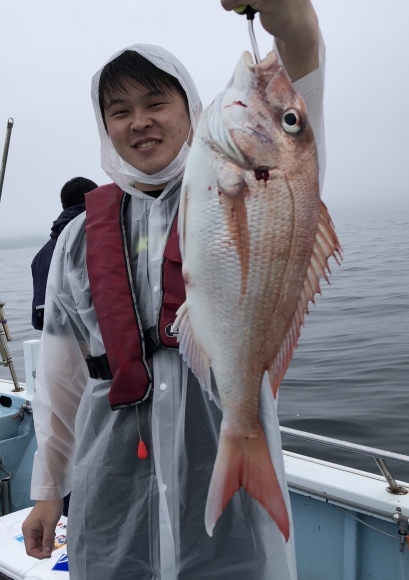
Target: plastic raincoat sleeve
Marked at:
61, 378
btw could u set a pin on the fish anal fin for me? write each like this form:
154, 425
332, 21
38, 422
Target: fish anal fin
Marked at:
190, 348
326, 245
245, 461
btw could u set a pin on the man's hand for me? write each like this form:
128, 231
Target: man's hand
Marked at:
294, 25
39, 528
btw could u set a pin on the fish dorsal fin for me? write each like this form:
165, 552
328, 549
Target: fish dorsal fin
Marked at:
326, 245
190, 349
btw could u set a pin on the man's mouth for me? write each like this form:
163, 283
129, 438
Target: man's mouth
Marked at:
146, 144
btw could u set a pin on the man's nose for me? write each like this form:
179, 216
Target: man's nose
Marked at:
141, 120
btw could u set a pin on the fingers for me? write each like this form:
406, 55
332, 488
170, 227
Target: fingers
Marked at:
39, 528
230, 4
258, 5
48, 540
38, 542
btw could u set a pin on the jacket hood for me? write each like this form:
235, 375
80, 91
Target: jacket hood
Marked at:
116, 168
65, 217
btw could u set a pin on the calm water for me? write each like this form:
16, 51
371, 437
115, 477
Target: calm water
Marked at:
349, 376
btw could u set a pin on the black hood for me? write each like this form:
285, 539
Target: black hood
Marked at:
65, 217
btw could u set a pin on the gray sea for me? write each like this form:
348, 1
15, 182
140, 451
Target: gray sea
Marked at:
349, 377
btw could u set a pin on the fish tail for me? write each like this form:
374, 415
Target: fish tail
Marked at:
245, 461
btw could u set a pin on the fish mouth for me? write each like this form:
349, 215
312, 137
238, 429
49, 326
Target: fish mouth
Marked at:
248, 59
268, 61
249, 73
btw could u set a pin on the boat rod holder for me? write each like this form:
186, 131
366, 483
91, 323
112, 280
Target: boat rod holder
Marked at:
4, 329
393, 486
10, 124
5, 356
378, 455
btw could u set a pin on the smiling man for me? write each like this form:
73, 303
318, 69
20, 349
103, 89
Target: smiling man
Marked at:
121, 422
145, 112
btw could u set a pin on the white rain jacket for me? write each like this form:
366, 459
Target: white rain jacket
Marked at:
132, 518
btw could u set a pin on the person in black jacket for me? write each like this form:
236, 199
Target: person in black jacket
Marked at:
73, 203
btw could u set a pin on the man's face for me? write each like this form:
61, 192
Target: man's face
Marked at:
147, 128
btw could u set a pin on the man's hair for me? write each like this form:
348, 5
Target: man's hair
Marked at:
132, 65
72, 193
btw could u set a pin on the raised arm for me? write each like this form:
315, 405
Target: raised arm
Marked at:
294, 25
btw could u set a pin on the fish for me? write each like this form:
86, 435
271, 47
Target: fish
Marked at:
255, 240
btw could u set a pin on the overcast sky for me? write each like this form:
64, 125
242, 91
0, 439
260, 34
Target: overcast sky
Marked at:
49, 49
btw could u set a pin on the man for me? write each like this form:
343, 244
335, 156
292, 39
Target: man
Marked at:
142, 456
73, 203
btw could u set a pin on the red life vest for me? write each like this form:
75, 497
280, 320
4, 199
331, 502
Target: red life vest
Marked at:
114, 299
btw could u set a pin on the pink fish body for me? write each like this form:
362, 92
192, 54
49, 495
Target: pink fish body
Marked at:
255, 239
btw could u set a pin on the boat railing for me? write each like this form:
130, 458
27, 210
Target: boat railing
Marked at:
379, 455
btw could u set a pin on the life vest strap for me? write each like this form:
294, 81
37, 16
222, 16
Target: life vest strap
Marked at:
98, 366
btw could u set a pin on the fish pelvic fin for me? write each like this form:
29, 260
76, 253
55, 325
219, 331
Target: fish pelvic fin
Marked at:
245, 461
191, 350
326, 245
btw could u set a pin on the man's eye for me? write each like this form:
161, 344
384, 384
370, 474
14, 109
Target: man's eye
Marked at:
156, 104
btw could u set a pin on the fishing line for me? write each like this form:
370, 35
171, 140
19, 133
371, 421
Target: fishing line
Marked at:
369, 525
401, 556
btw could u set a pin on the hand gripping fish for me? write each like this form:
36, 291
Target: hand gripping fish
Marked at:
255, 239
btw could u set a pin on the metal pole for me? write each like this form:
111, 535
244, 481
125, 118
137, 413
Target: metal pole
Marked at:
10, 124
379, 455
4, 331
5, 492
393, 486
5, 355
354, 447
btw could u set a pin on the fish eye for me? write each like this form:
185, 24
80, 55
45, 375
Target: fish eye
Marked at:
291, 121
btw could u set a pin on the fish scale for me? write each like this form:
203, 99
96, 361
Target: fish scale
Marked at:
255, 240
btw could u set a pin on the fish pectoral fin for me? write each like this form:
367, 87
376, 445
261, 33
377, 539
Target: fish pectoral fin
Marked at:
191, 350
245, 462
233, 204
326, 245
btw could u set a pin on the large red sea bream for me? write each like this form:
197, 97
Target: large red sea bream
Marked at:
255, 239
